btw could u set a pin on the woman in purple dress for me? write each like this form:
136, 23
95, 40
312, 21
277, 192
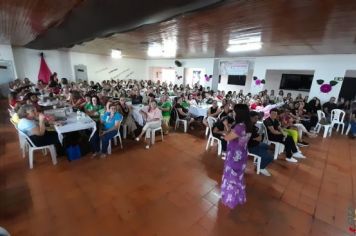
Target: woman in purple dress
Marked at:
233, 183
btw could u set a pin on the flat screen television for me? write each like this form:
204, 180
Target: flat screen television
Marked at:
299, 82
236, 79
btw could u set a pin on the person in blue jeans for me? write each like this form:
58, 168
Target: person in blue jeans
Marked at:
110, 123
353, 123
255, 145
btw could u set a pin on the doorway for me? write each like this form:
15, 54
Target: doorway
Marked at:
194, 76
348, 87
163, 74
6, 76
81, 73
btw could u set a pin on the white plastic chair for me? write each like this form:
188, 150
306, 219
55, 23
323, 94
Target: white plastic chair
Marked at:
22, 141
124, 131
32, 147
219, 116
257, 161
153, 134
278, 147
178, 120
337, 118
211, 139
206, 131
327, 127
11, 112
207, 128
118, 135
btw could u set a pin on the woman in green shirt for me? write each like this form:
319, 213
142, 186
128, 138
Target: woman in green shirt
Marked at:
166, 107
185, 103
95, 109
87, 103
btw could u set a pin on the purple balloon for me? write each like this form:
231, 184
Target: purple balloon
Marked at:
258, 82
325, 88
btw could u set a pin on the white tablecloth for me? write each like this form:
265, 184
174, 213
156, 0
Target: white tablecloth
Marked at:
48, 103
137, 115
201, 110
59, 112
136, 112
72, 124
267, 109
259, 126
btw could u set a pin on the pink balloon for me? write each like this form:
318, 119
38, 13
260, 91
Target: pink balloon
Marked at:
325, 88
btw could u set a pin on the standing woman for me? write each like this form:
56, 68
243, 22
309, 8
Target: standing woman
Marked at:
353, 120
233, 183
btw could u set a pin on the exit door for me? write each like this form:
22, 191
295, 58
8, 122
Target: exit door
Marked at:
80, 73
6, 76
348, 91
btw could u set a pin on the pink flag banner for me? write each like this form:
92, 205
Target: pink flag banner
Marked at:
44, 73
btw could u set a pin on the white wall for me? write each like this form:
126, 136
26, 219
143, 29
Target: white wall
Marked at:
102, 67
28, 63
350, 73
273, 80
207, 64
223, 85
6, 54
99, 67
326, 67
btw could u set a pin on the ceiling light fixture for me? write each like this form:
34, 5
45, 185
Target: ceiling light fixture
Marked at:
247, 42
244, 47
116, 54
167, 49
242, 40
155, 50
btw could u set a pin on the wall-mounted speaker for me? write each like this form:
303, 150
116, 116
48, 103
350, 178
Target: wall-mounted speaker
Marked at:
178, 63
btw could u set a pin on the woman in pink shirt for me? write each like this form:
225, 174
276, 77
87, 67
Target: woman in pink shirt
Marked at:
153, 116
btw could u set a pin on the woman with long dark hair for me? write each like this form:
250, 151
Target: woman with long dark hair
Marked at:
95, 109
126, 112
233, 184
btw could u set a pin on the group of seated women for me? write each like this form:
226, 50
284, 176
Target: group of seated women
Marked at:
31, 120
295, 118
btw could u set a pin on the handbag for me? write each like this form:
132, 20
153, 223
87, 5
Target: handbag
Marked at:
73, 152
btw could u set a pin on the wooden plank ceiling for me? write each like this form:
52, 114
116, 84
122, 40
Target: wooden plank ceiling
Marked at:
294, 27
21, 21
286, 28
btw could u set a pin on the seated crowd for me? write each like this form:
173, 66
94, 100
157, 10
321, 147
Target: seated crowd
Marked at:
110, 104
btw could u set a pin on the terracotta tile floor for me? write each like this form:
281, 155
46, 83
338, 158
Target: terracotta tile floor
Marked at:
173, 189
